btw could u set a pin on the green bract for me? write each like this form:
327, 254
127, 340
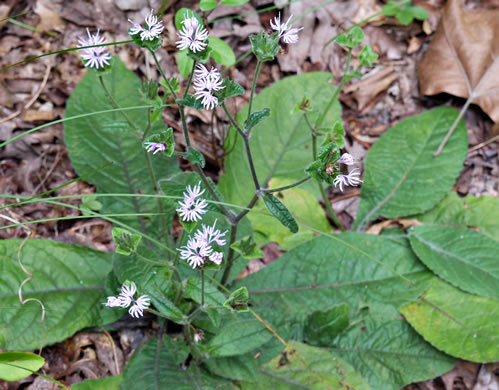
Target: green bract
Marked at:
126, 242
324, 167
351, 39
265, 46
166, 138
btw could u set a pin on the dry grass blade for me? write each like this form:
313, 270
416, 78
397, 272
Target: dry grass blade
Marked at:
463, 60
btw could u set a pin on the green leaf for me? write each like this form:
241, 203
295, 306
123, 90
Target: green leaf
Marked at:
336, 135
265, 46
388, 353
255, 118
282, 146
221, 52
402, 177
471, 211
238, 300
247, 248
207, 5
194, 156
351, 39
234, 2
359, 270
231, 89
166, 138
367, 56
67, 279
242, 368
462, 257
322, 326
184, 63
184, 13
15, 366
304, 367
238, 338
303, 206
90, 147
458, 323
108, 383
212, 296
165, 306
126, 242
149, 369
191, 101
280, 211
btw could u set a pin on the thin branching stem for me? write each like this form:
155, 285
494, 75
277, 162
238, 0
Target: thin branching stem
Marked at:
296, 184
253, 87
230, 257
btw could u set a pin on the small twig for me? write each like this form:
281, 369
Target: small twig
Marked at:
484, 143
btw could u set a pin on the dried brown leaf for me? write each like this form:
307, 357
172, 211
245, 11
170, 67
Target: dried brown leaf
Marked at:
462, 58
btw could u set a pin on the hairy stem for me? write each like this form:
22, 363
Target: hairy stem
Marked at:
202, 287
190, 79
253, 87
230, 257
296, 184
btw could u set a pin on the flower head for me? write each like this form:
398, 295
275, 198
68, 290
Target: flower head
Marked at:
192, 35
346, 159
199, 248
155, 146
351, 179
126, 298
192, 209
95, 57
152, 28
205, 82
288, 35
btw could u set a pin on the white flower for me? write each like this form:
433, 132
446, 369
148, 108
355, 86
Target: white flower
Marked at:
192, 209
96, 57
152, 30
139, 305
192, 35
126, 298
205, 82
288, 35
195, 252
351, 179
210, 234
155, 145
199, 248
346, 159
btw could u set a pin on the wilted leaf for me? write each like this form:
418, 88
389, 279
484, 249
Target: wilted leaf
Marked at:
458, 323
463, 57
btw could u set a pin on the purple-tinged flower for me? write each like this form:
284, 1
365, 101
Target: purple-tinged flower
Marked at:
192, 35
192, 209
126, 298
155, 146
205, 82
199, 248
351, 179
139, 305
288, 35
95, 57
346, 159
152, 29
195, 252
210, 235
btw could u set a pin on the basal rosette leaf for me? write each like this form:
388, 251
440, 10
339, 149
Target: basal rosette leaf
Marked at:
402, 177
69, 281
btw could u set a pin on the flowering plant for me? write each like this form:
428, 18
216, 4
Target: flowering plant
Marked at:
183, 240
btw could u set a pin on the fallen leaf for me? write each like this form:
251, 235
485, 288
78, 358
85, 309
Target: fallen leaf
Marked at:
463, 57
364, 91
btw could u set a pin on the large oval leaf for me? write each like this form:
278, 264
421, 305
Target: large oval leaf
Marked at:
19, 365
402, 177
281, 144
461, 324
67, 279
463, 257
96, 140
160, 366
304, 367
481, 212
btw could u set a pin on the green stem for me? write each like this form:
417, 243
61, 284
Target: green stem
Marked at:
336, 92
363, 21
253, 87
208, 184
196, 355
329, 208
146, 260
230, 256
305, 179
202, 287
190, 79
